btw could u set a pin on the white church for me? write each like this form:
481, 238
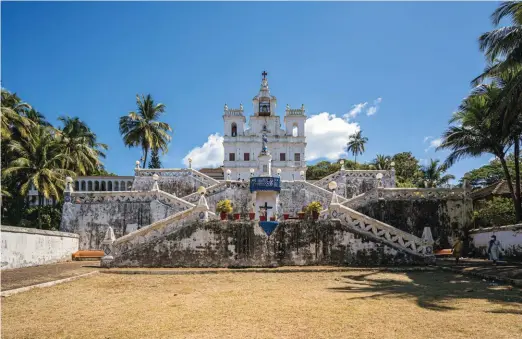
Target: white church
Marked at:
243, 142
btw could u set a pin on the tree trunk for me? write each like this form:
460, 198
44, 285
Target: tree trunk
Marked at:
145, 151
355, 155
517, 177
40, 204
510, 185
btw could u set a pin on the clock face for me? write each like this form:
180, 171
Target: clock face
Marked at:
264, 107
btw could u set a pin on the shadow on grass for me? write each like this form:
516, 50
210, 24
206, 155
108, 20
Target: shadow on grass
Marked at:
432, 289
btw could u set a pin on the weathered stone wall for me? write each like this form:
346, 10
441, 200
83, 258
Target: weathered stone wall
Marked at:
22, 247
295, 195
236, 244
237, 192
510, 238
90, 214
352, 183
447, 212
180, 182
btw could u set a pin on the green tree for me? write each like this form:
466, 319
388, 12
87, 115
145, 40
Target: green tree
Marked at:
356, 144
489, 174
477, 129
38, 161
382, 162
407, 169
433, 175
155, 161
143, 129
12, 110
495, 212
80, 145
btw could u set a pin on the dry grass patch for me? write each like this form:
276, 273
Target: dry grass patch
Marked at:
362, 304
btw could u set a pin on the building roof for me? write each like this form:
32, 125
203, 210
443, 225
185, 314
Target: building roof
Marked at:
499, 188
214, 173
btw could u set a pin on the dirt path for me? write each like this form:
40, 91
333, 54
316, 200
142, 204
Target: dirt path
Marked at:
21, 277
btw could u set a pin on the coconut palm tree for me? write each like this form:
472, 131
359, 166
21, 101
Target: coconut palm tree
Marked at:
382, 162
433, 175
477, 129
38, 161
143, 129
12, 115
356, 144
81, 145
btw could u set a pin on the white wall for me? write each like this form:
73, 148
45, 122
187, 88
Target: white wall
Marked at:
510, 238
22, 247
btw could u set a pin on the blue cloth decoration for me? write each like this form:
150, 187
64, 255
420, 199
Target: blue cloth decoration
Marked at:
268, 226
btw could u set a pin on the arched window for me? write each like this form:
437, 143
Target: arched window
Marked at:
295, 130
116, 186
109, 186
76, 185
234, 129
96, 185
83, 185
89, 186
103, 186
129, 185
122, 186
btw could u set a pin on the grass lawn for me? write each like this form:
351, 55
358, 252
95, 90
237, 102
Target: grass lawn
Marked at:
355, 304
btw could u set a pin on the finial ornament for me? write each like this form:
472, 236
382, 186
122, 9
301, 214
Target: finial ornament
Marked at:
226, 107
190, 162
287, 106
137, 164
241, 106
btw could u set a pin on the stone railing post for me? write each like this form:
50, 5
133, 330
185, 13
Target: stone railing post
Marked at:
66, 224
155, 186
427, 241
107, 247
202, 206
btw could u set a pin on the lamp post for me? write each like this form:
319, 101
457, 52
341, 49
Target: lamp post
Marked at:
342, 164
302, 173
228, 174
252, 172
190, 162
279, 172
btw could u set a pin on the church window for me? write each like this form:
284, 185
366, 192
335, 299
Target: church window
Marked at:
232, 156
234, 129
295, 130
246, 156
282, 156
297, 156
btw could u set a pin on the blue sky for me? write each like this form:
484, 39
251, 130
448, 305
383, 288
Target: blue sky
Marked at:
91, 59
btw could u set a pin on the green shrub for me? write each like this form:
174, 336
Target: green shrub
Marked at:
314, 206
50, 217
496, 212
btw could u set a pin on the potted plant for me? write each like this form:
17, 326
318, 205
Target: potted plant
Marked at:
301, 214
262, 217
314, 208
252, 215
273, 218
237, 216
286, 216
224, 207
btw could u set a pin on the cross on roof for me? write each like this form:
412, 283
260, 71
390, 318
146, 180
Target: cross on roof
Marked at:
264, 74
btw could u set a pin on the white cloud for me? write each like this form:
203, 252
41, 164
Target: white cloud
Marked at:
327, 135
211, 154
373, 109
427, 138
434, 144
356, 109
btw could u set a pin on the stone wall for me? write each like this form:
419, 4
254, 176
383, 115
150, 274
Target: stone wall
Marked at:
237, 192
352, 183
510, 238
242, 244
22, 247
180, 182
445, 211
295, 195
90, 214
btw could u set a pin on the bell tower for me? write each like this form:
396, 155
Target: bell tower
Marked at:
264, 103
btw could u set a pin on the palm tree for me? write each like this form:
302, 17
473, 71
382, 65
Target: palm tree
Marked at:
81, 146
143, 129
12, 115
356, 144
382, 162
477, 130
433, 175
38, 162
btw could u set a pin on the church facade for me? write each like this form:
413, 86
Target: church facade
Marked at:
243, 141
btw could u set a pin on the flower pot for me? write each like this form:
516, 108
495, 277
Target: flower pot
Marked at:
237, 216
223, 215
252, 215
315, 215
262, 218
286, 216
272, 218
301, 215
